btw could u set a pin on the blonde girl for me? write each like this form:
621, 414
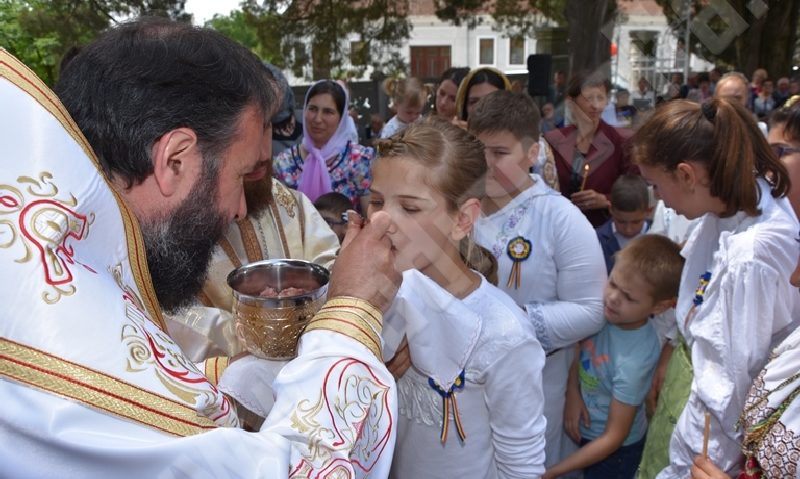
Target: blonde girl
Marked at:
475, 363
409, 96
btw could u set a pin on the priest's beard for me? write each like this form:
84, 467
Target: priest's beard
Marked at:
179, 245
258, 195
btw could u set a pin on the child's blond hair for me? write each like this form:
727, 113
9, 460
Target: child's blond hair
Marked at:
407, 91
457, 169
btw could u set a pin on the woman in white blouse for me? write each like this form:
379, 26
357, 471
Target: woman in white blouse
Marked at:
735, 304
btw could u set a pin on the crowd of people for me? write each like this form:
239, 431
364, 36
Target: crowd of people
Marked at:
582, 288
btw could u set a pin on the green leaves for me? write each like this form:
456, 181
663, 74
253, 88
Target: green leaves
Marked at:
313, 37
40, 32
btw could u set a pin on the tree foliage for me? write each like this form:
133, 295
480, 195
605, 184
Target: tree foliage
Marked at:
514, 16
588, 23
40, 32
741, 34
295, 33
235, 26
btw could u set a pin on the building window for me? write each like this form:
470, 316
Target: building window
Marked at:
486, 51
428, 63
359, 52
516, 50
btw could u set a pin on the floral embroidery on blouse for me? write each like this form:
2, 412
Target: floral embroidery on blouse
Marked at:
503, 237
350, 171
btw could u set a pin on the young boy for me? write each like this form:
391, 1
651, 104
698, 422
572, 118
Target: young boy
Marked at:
630, 210
332, 206
549, 260
609, 380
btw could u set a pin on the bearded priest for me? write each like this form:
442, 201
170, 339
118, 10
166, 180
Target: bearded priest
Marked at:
110, 207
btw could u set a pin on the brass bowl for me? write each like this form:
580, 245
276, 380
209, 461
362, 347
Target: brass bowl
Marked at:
269, 327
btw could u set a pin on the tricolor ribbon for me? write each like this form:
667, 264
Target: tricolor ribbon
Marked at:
705, 278
518, 249
699, 295
448, 398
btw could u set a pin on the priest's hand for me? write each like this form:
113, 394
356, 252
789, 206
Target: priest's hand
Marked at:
365, 266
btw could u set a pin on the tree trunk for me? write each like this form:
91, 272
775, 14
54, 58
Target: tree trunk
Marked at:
769, 42
591, 26
321, 60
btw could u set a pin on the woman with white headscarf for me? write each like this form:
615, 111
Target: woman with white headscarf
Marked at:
328, 159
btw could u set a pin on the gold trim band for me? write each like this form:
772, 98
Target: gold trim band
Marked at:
353, 302
352, 317
348, 329
43, 371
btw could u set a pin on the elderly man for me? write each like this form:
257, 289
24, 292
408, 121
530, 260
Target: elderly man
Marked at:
93, 248
734, 85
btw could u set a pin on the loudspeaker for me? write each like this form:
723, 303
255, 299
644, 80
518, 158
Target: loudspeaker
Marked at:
539, 66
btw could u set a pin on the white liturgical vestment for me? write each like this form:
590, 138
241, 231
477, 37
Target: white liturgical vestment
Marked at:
91, 383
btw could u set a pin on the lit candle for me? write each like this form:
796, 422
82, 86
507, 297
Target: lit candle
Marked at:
585, 176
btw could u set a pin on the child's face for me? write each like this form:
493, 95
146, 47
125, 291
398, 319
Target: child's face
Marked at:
508, 162
408, 114
627, 301
681, 190
629, 223
424, 234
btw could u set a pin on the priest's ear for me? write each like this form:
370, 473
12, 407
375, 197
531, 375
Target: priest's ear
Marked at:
177, 161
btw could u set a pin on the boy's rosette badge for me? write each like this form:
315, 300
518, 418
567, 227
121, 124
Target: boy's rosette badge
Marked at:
518, 249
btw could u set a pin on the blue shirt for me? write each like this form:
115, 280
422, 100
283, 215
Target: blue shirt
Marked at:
617, 363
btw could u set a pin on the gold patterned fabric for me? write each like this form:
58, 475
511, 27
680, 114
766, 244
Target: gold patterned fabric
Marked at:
101, 391
76, 283
351, 317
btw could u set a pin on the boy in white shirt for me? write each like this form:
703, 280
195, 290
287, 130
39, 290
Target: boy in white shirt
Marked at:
549, 259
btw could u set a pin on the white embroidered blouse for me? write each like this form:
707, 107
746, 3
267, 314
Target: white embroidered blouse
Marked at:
747, 310
562, 281
501, 403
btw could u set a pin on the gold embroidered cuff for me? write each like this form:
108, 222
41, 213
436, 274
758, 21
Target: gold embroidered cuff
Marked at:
375, 314
352, 317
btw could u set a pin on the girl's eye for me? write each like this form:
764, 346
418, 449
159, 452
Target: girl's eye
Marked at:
376, 203
409, 209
